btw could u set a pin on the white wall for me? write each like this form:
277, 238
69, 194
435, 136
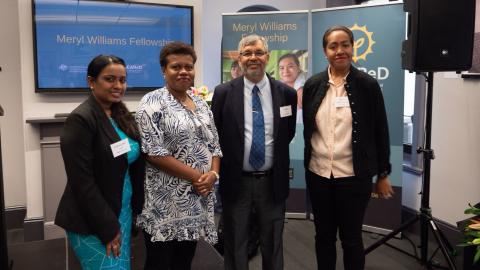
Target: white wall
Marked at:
11, 100
455, 173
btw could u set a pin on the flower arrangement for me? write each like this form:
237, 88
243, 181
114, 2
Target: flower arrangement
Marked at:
471, 231
203, 93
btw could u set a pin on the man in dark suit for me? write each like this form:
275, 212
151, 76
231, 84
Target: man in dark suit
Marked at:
255, 118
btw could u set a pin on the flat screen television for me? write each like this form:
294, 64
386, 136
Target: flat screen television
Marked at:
68, 34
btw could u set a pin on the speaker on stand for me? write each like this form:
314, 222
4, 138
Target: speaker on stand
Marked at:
440, 38
440, 35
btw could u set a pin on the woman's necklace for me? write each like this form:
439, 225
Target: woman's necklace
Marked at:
337, 81
183, 100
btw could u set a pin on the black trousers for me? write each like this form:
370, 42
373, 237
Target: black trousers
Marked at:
169, 255
338, 204
254, 192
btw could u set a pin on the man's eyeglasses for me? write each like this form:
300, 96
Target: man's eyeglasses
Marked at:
249, 54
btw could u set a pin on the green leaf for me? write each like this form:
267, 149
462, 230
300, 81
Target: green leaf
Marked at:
472, 210
471, 233
477, 256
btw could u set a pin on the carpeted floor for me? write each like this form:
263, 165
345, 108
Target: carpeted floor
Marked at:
298, 252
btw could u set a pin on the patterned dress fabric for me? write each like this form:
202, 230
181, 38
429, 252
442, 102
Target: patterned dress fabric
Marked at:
172, 209
88, 248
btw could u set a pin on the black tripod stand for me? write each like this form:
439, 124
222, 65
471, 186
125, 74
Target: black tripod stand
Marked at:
425, 214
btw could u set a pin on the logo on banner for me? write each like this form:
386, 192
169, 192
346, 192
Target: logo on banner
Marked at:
362, 46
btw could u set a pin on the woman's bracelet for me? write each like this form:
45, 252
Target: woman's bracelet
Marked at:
217, 176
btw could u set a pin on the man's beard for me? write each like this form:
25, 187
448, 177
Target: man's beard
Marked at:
254, 73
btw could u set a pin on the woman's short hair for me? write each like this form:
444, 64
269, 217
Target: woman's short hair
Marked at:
337, 28
289, 55
176, 47
101, 61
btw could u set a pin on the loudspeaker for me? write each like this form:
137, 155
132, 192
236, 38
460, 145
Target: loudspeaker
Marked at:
439, 36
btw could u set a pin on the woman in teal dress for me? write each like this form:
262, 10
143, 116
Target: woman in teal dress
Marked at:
104, 169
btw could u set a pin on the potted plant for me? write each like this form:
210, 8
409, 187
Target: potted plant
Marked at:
471, 233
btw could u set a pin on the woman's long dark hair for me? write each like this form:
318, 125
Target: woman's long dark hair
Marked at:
120, 113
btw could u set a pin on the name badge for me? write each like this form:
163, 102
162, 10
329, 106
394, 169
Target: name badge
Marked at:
286, 111
120, 147
341, 102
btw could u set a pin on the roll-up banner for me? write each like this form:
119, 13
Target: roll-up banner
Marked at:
378, 31
287, 37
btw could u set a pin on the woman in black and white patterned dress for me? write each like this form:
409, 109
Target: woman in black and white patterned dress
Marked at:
181, 145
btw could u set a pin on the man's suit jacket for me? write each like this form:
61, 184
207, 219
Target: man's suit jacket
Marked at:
92, 199
228, 112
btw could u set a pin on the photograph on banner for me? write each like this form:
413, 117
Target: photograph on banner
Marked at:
378, 34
